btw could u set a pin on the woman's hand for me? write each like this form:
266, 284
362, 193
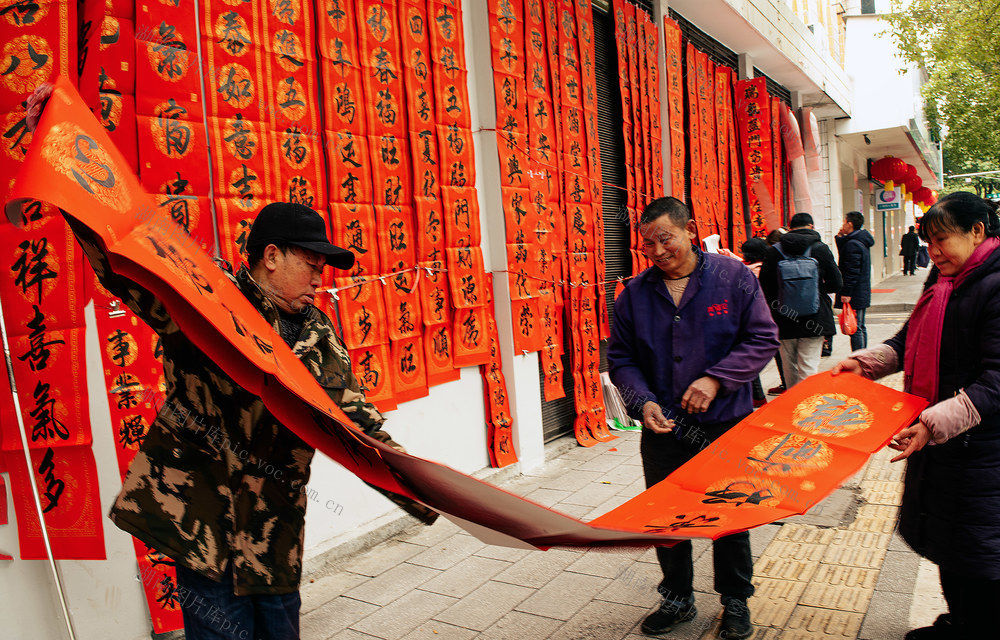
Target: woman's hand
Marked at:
36, 103
654, 420
847, 365
910, 440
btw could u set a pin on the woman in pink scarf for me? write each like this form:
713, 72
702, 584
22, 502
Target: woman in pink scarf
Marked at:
949, 351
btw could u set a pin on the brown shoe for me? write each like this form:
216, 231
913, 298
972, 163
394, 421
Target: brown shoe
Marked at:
776, 391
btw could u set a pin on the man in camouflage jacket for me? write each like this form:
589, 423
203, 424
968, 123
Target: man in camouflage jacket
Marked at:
217, 484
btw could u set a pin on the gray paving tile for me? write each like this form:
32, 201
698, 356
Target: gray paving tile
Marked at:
635, 585
610, 504
564, 595
334, 616
347, 634
485, 606
578, 511
582, 454
465, 577
404, 615
600, 463
538, 568
605, 563
623, 474
899, 572
430, 536
547, 497
571, 480
322, 590
383, 557
883, 619
510, 554
392, 584
896, 543
633, 489
521, 626
433, 629
603, 620
448, 552
591, 495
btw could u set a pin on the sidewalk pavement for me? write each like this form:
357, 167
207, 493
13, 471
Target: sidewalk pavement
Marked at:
838, 571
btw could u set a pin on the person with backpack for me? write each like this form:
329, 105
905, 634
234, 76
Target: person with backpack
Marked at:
854, 246
797, 276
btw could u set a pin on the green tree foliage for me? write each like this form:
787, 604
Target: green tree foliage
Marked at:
958, 43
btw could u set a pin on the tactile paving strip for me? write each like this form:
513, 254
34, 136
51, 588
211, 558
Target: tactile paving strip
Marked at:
876, 518
882, 492
812, 622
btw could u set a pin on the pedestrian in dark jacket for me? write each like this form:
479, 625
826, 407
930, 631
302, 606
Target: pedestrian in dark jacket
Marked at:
949, 351
908, 249
854, 246
801, 336
689, 336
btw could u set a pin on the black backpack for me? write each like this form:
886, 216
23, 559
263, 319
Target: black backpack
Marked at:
798, 283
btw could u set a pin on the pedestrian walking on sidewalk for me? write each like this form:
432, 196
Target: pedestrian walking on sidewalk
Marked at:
801, 330
908, 249
854, 245
949, 351
690, 335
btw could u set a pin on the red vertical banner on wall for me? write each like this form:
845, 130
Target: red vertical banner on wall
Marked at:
43, 310
736, 181
753, 107
778, 161
723, 110
655, 154
675, 105
706, 129
696, 194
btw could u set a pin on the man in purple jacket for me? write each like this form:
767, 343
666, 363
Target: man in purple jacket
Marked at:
690, 335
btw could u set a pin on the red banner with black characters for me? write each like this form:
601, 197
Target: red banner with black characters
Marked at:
675, 104
753, 113
778, 161
43, 311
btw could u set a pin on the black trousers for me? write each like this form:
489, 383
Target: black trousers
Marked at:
662, 454
909, 264
972, 603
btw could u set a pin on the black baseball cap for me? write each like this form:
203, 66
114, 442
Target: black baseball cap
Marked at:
298, 225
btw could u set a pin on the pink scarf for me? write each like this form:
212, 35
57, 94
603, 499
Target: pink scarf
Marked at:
923, 338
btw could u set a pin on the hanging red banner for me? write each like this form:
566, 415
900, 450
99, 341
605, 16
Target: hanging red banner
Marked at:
438, 352
471, 345
461, 216
466, 276
675, 104
753, 108
697, 191
778, 161
362, 313
354, 229
403, 307
739, 221
722, 111
409, 373
372, 370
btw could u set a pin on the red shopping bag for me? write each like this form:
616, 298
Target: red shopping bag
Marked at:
848, 320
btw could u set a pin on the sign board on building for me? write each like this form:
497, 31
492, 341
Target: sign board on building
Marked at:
886, 200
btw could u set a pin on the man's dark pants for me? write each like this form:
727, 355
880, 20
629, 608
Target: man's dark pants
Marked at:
662, 454
910, 264
859, 339
212, 612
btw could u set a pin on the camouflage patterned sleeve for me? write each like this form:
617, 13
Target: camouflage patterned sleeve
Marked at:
143, 303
